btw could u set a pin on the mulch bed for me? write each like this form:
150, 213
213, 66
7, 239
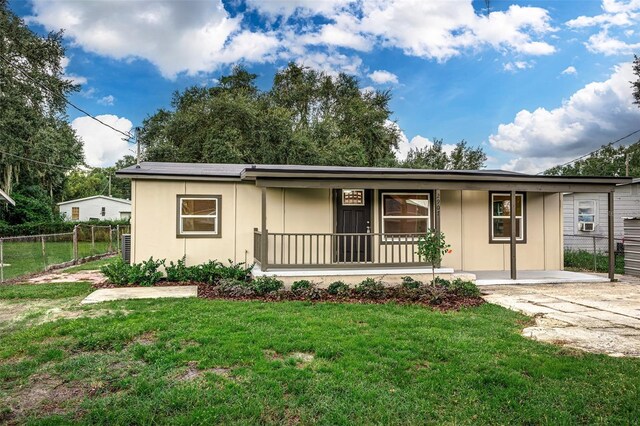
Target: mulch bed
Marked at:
449, 301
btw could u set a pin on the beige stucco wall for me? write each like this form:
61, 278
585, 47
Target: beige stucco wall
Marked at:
464, 221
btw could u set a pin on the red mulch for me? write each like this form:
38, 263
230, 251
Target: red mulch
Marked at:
449, 302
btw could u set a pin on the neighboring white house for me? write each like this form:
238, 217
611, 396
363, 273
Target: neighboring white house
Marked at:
98, 207
585, 216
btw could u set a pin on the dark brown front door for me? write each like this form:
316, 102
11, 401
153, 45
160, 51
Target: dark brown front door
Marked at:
353, 219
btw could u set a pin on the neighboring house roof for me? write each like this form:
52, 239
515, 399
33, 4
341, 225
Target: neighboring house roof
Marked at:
205, 171
118, 200
4, 196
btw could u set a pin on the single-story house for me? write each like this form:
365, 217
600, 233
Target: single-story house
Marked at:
97, 207
308, 220
4, 197
585, 216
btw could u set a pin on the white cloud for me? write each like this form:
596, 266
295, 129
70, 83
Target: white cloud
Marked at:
592, 116
417, 142
75, 79
331, 63
383, 77
286, 8
570, 70
607, 45
107, 100
517, 66
102, 146
176, 37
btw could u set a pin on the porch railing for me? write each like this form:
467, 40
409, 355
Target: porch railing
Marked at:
334, 250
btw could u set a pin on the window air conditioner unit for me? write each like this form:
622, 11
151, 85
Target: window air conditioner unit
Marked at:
587, 226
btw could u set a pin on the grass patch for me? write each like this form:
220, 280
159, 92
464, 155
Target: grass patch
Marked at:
22, 258
298, 362
44, 291
583, 260
90, 266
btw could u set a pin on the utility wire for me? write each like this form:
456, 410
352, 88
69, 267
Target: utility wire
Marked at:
594, 151
24, 73
34, 161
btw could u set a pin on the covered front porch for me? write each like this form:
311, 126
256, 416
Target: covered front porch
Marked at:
473, 211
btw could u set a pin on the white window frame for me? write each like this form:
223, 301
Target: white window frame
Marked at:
594, 203
521, 217
383, 216
216, 216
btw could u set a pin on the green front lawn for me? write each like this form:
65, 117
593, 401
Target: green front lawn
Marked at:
196, 361
22, 258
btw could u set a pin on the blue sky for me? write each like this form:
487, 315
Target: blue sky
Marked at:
533, 83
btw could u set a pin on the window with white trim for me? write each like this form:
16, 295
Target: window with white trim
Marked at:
501, 217
199, 216
405, 213
586, 211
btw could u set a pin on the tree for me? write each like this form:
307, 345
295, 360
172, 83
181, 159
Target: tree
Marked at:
38, 144
307, 117
636, 84
607, 161
81, 183
434, 157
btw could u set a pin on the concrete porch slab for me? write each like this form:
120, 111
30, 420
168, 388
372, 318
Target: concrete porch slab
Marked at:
125, 293
535, 277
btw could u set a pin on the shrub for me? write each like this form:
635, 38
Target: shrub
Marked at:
464, 288
311, 293
432, 247
264, 285
117, 272
408, 282
441, 282
338, 288
235, 288
146, 273
299, 286
371, 289
236, 271
178, 271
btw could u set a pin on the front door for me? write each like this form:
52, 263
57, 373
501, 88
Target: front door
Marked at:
353, 216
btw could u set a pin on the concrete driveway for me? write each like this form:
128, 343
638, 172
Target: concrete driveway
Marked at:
595, 317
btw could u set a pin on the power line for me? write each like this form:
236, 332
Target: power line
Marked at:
594, 151
34, 161
24, 73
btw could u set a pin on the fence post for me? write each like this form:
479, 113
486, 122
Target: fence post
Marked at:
110, 239
1, 260
93, 240
595, 257
44, 252
117, 238
75, 244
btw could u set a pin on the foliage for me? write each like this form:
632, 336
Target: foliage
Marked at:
82, 183
32, 205
371, 289
408, 282
264, 285
583, 260
636, 84
432, 247
145, 273
434, 157
462, 288
301, 285
55, 227
210, 272
338, 288
178, 272
607, 161
307, 117
235, 288
33, 124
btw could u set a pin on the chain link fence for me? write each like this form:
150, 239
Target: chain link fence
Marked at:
591, 253
26, 255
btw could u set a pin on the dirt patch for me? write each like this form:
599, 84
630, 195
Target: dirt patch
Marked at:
301, 359
94, 277
45, 395
193, 372
146, 339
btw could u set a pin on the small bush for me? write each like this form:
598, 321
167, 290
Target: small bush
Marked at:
311, 293
299, 286
117, 272
146, 273
210, 272
235, 288
236, 271
338, 288
178, 272
464, 288
408, 282
264, 285
371, 289
441, 282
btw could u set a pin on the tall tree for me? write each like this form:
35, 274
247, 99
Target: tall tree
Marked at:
307, 117
607, 161
38, 144
82, 183
462, 157
636, 84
